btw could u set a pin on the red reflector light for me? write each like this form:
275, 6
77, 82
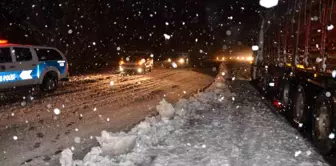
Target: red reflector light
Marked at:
276, 103
3, 41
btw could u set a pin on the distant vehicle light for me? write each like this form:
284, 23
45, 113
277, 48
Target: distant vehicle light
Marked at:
268, 3
255, 48
223, 59
169, 60
217, 58
181, 60
249, 58
3, 41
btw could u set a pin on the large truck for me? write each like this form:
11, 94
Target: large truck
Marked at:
296, 65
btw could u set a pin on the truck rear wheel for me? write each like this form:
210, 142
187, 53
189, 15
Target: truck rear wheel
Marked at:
299, 108
322, 125
49, 83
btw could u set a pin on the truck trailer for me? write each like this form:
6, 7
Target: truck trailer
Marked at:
296, 65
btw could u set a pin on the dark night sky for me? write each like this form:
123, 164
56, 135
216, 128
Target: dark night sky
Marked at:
91, 32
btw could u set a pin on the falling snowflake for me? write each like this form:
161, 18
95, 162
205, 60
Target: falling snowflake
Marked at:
223, 73
167, 23
228, 32
15, 137
70, 31
118, 48
57, 111
300, 125
166, 36
331, 136
95, 109
328, 94
333, 73
94, 43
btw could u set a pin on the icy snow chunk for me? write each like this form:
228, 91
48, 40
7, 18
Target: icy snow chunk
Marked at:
77, 140
116, 144
308, 153
57, 111
66, 158
297, 153
165, 109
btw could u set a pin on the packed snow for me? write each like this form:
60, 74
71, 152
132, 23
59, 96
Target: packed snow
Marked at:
225, 125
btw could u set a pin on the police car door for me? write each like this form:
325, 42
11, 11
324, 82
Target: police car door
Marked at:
24, 62
7, 78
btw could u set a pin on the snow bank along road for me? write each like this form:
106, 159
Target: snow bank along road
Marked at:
227, 125
39, 129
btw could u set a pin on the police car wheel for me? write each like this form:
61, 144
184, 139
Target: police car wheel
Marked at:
49, 84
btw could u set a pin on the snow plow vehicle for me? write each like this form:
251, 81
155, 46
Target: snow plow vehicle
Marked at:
137, 62
295, 64
177, 60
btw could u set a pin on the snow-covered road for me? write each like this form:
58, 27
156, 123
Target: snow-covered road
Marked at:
228, 125
37, 131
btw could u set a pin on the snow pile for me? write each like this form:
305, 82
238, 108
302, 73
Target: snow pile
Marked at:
132, 148
210, 129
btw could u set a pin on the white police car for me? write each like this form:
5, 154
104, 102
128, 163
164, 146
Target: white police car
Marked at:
25, 65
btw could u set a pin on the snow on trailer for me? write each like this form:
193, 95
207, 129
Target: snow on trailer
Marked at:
211, 129
295, 64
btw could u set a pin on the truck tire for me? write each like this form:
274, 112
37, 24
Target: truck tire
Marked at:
299, 111
322, 124
49, 83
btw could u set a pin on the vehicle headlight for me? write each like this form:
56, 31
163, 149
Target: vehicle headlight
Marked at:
169, 60
250, 58
142, 61
181, 60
